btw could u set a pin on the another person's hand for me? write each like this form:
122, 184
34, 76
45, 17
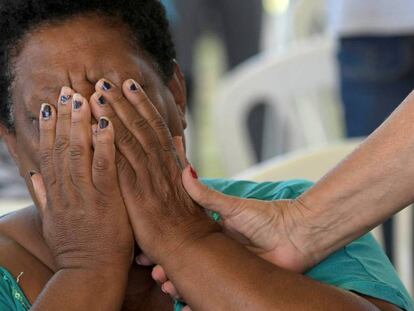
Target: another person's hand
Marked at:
162, 214
84, 219
270, 229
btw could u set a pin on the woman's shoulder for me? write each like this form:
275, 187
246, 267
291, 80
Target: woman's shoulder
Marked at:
20, 250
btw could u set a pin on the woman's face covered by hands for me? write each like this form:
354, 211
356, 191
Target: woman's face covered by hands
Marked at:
77, 53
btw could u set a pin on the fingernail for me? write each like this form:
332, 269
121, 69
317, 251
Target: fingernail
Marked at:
65, 95
193, 173
138, 261
77, 102
103, 123
163, 289
46, 111
133, 87
101, 100
106, 86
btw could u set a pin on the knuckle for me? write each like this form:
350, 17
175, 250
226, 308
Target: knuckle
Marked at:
122, 165
77, 121
101, 165
45, 157
64, 115
158, 123
104, 139
117, 98
76, 152
61, 143
139, 124
126, 139
153, 150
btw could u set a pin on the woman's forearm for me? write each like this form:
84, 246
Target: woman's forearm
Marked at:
217, 273
373, 183
83, 289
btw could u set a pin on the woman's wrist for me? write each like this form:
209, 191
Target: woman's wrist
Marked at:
326, 223
191, 239
76, 288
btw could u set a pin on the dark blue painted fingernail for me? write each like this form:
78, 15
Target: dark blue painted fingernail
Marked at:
65, 95
103, 123
46, 111
65, 98
106, 86
133, 86
77, 104
101, 100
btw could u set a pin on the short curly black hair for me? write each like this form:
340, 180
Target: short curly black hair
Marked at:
146, 20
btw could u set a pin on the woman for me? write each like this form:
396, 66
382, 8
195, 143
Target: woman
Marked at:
104, 155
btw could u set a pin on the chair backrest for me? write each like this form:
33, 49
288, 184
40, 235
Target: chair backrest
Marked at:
300, 91
8, 206
310, 164
314, 163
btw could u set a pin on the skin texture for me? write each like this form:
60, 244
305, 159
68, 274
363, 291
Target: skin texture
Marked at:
166, 222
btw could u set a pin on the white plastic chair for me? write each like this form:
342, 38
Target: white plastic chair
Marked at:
300, 90
8, 206
312, 164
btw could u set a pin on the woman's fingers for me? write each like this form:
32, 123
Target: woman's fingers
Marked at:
169, 288
63, 125
103, 166
158, 274
226, 206
149, 114
136, 124
127, 144
80, 145
143, 260
47, 132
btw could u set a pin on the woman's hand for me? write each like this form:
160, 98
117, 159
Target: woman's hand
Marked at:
85, 223
271, 229
163, 216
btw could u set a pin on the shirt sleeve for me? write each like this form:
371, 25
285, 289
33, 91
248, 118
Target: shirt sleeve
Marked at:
362, 267
11, 296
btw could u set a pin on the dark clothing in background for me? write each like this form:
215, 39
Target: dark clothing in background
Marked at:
238, 23
377, 73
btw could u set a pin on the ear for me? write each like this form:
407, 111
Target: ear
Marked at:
178, 89
9, 138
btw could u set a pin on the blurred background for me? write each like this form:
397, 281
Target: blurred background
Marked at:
282, 89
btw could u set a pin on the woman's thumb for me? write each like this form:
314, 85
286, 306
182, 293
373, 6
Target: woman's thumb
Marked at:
210, 199
39, 190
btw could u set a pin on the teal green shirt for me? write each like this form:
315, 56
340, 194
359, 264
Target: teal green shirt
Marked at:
361, 266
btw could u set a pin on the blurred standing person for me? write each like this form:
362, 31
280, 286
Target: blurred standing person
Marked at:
238, 23
376, 59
